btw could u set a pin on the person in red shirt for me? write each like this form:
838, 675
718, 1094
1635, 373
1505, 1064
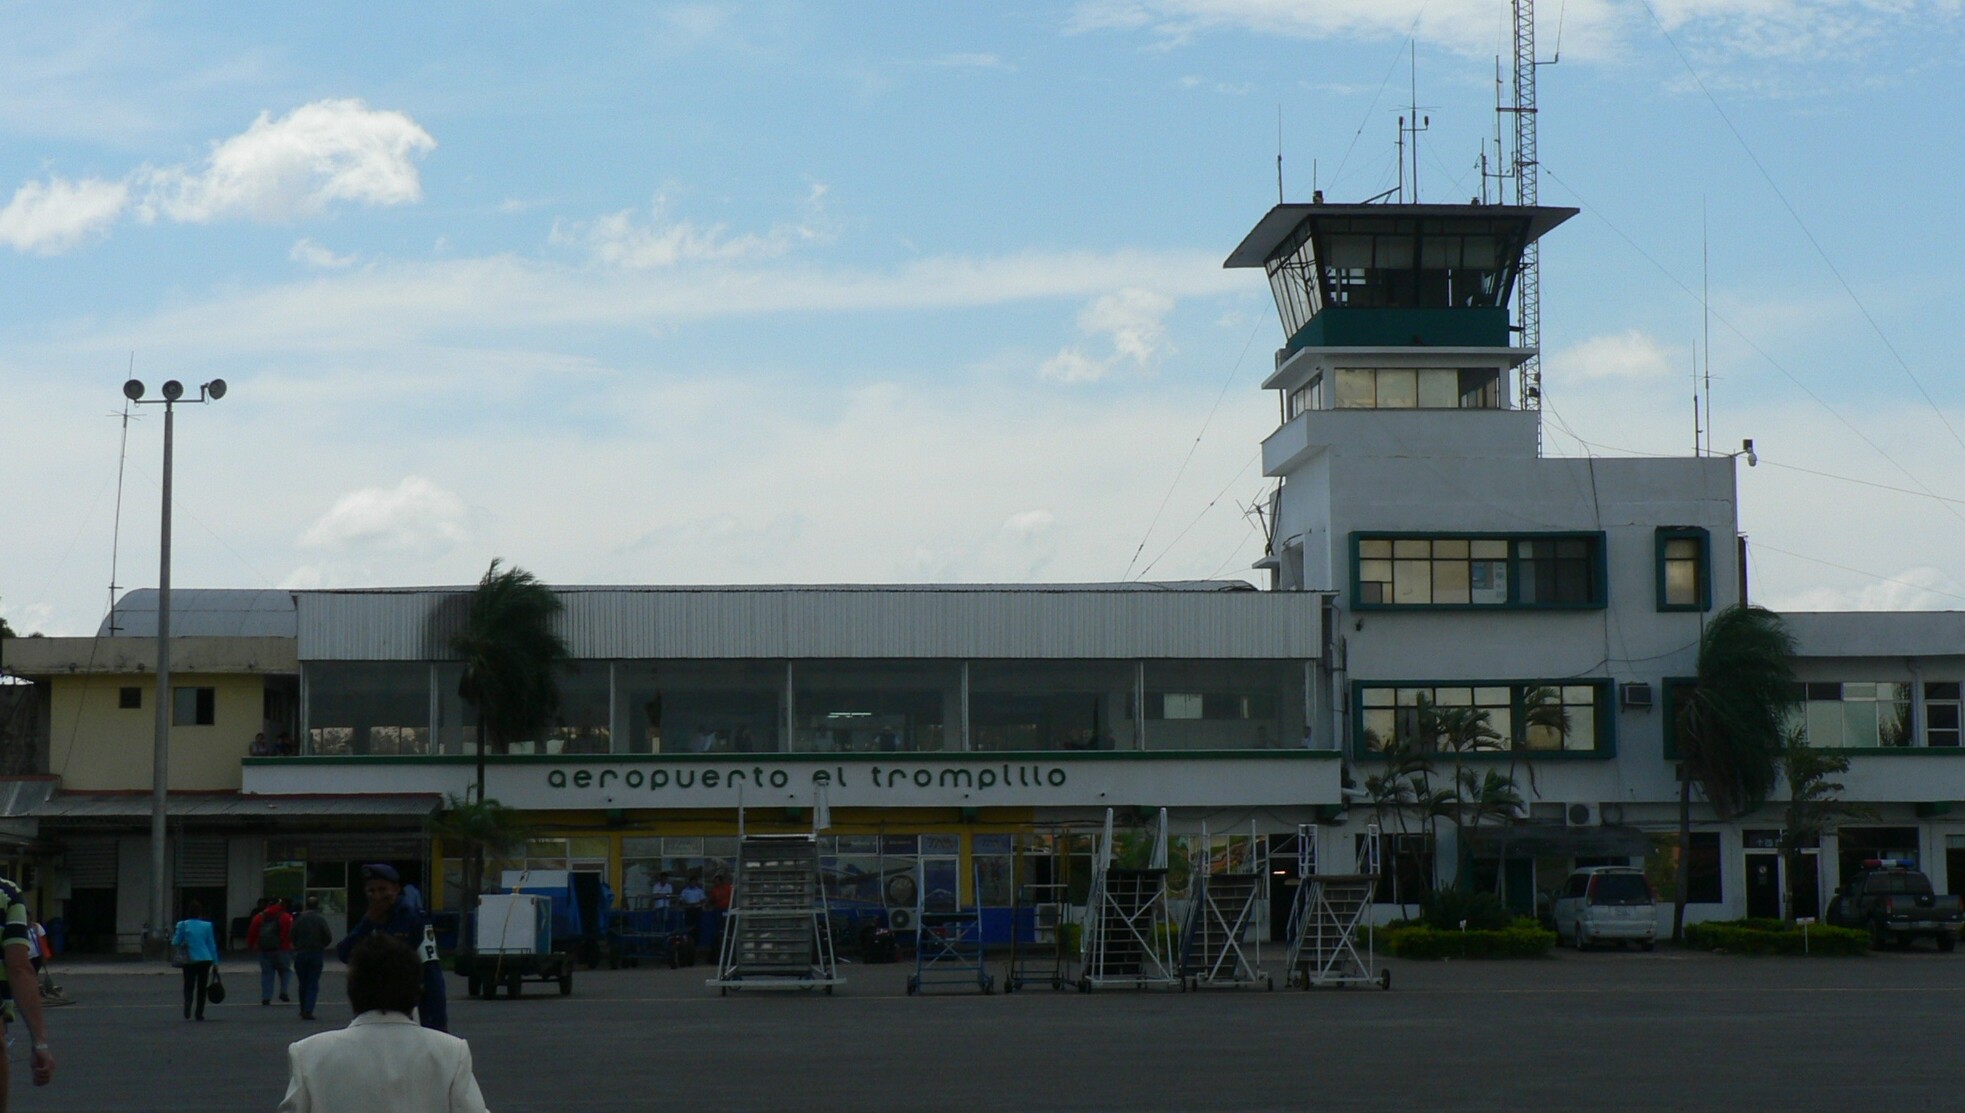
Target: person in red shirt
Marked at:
271, 934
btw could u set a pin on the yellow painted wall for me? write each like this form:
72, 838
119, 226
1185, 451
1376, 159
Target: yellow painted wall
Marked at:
96, 746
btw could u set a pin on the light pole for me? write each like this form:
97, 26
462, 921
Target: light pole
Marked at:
155, 938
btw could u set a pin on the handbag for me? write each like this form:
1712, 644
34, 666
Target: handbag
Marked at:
215, 989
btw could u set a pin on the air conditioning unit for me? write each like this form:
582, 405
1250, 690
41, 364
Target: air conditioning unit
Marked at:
1047, 916
900, 919
1637, 696
1584, 815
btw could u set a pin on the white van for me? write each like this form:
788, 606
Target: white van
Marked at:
1604, 904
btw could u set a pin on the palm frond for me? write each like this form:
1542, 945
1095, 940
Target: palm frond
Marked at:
1730, 726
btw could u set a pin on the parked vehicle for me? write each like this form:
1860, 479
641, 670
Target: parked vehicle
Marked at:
1896, 904
1605, 904
513, 942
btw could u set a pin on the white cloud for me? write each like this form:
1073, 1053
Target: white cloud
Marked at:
314, 255
50, 217
1029, 523
618, 240
282, 169
1590, 28
415, 516
1132, 320
1632, 354
1922, 588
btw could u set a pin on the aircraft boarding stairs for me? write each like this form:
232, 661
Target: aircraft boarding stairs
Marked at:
1331, 919
776, 935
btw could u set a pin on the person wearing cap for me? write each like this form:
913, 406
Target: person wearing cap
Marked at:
395, 912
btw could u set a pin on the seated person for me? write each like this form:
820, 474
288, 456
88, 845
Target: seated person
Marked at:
260, 747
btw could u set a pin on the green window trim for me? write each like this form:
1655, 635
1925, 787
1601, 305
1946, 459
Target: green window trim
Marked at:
1599, 570
1604, 725
1704, 571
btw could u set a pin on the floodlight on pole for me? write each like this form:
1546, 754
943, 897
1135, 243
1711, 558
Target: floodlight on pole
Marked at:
157, 931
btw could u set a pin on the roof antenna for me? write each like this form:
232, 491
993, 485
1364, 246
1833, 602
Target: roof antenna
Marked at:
1279, 153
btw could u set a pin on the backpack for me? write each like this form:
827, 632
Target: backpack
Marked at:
269, 932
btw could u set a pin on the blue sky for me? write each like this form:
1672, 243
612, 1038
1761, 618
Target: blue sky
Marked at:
879, 292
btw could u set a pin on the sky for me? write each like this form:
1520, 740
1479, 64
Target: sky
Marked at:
872, 292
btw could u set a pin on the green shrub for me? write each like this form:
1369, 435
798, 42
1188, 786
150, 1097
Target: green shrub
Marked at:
1450, 909
1519, 939
1774, 937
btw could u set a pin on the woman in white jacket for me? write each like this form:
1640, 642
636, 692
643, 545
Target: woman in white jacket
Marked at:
384, 1061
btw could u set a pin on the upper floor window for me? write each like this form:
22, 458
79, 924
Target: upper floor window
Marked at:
1479, 570
1424, 388
1309, 396
1544, 716
1858, 715
194, 707
1941, 713
129, 698
1684, 569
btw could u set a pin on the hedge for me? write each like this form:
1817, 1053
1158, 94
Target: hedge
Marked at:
1774, 937
1520, 939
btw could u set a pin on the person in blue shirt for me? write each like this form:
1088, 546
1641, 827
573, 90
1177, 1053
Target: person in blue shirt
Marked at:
396, 911
194, 934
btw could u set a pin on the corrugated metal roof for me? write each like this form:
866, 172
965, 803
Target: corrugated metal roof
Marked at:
124, 805
204, 612
21, 795
964, 621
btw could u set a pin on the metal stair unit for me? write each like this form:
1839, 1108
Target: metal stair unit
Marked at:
1126, 938
1218, 921
776, 934
1330, 911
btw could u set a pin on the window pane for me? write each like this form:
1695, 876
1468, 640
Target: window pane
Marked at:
1489, 550
1356, 390
1448, 547
1412, 581
1374, 547
1438, 389
1681, 583
1397, 390
1450, 582
1419, 548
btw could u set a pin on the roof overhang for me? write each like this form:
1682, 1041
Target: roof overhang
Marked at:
237, 806
1279, 223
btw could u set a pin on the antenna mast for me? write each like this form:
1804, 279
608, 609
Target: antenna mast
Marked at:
1529, 303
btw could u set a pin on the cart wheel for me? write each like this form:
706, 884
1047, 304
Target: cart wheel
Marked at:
471, 985
1271, 979
988, 985
1084, 985
913, 985
566, 981
828, 991
1057, 984
1385, 979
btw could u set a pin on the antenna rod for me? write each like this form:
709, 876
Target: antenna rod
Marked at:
1706, 304
1279, 154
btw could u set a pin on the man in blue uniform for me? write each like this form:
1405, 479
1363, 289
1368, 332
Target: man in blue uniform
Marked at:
397, 913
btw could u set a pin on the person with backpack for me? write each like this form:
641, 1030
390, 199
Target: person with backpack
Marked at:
271, 934
311, 938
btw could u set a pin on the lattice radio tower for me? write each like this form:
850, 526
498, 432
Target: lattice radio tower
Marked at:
1528, 305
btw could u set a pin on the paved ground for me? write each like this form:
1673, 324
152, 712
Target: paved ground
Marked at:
1601, 1032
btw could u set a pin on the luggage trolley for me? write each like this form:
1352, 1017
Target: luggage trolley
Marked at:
640, 931
1330, 910
1044, 958
1218, 922
948, 945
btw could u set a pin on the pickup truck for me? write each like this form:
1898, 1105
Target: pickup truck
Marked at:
1896, 904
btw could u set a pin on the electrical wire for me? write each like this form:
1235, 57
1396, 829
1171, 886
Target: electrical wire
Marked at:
1857, 571
1197, 518
1808, 234
1748, 341
1189, 458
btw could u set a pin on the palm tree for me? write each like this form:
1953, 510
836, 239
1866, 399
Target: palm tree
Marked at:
1814, 803
511, 654
481, 829
1730, 724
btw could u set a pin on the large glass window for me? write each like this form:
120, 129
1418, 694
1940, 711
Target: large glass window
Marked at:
876, 706
194, 707
1479, 571
1052, 705
678, 707
1218, 705
1425, 388
368, 707
1486, 718
580, 726
1853, 714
